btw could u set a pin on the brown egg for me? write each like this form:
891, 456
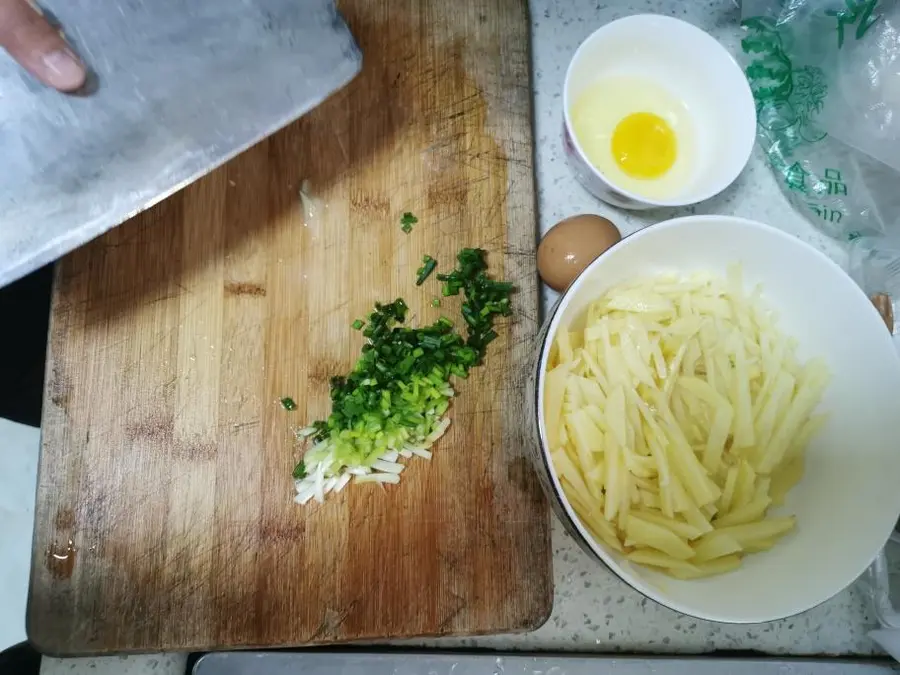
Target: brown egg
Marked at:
571, 245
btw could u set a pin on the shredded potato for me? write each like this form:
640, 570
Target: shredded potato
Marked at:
676, 417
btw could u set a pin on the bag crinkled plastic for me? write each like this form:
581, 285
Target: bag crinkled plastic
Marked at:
825, 75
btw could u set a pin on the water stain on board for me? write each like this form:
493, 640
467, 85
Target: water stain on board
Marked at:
60, 559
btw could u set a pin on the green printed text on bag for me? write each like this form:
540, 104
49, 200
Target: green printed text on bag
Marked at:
802, 59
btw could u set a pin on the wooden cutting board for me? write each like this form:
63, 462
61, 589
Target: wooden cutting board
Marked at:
165, 515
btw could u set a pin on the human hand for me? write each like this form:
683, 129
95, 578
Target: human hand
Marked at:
38, 47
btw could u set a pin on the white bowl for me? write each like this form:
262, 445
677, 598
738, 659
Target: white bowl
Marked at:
691, 65
849, 498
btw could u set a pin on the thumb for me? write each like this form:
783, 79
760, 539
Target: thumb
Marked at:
38, 47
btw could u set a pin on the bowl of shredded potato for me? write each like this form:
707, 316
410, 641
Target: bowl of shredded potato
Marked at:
716, 403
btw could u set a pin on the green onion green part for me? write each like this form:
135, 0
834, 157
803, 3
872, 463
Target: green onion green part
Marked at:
358, 324
428, 265
407, 222
288, 403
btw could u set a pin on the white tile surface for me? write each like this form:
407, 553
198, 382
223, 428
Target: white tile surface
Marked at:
593, 610
19, 446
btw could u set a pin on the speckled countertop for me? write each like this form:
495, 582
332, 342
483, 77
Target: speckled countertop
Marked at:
593, 610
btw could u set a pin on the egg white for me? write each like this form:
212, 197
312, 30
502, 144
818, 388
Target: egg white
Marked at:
601, 106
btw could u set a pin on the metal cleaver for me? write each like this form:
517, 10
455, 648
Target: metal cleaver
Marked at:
177, 88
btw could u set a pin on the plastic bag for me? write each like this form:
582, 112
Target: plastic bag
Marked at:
882, 596
874, 264
826, 78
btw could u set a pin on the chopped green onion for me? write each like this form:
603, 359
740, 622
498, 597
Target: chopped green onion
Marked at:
407, 222
393, 404
435, 302
358, 324
485, 298
428, 265
299, 472
288, 403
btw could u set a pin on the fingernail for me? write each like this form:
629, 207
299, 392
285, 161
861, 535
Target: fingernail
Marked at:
64, 71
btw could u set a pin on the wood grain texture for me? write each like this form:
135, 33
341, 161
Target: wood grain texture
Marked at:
165, 518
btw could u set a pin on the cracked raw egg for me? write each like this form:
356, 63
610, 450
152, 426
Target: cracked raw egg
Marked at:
638, 134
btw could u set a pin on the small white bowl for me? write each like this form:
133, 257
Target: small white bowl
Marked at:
849, 498
692, 66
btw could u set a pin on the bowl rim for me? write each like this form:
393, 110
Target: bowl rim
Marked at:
716, 48
597, 548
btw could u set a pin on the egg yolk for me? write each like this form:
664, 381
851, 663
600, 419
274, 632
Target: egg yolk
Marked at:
644, 145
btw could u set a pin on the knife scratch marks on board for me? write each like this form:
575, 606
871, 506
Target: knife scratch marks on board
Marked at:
245, 288
156, 426
331, 622
449, 620
339, 137
273, 532
369, 204
322, 370
195, 449
237, 427
60, 387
